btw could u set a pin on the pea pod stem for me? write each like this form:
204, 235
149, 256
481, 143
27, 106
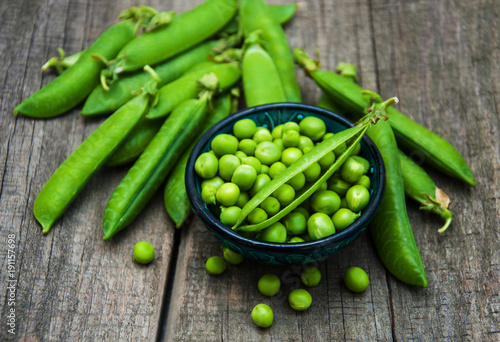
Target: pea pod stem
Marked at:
155, 163
410, 135
62, 62
311, 189
421, 188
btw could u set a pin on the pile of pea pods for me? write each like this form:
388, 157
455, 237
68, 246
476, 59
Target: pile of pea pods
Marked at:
164, 78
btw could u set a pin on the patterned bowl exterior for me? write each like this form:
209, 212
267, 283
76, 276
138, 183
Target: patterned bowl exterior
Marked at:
270, 116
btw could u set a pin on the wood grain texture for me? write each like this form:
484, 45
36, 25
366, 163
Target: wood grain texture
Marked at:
440, 58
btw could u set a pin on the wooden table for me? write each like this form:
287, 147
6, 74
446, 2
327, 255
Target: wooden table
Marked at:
441, 58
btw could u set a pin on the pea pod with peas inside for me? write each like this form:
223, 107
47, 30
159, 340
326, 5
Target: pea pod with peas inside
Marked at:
410, 135
72, 175
255, 15
261, 80
418, 184
101, 101
75, 83
184, 31
390, 227
186, 87
157, 160
175, 197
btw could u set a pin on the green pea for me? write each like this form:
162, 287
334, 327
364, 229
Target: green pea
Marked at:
229, 215
206, 165
271, 205
267, 152
215, 265
296, 239
260, 182
319, 225
303, 211
274, 233
240, 155
262, 135
357, 198
224, 144
356, 279
277, 131
364, 181
311, 276
144, 252
208, 194
243, 198
290, 138
269, 284
325, 201
305, 141
257, 216
253, 162
327, 160
300, 299
295, 223
343, 218
227, 164
285, 194
290, 155
352, 170
244, 129
313, 172
264, 169
291, 126
248, 146
279, 143
327, 135
262, 315
298, 181
312, 127
215, 181
276, 169
307, 148
340, 149
232, 257
357, 149
244, 176
228, 194
337, 184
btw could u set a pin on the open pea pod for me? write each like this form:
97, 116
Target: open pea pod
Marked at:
307, 160
328, 145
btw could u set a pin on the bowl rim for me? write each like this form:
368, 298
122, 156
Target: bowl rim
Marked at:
212, 223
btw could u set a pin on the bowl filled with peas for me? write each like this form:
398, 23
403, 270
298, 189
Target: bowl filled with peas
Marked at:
285, 183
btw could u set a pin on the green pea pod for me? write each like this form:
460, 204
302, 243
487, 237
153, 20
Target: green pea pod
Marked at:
175, 197
135, 142
308, 191
255, 15
72, 175
410, 135
101, 101
261, 80
184, 31
390, 227
417, 183
62, 62
421, 188
300, 165
187, 87
155, 163
73, 85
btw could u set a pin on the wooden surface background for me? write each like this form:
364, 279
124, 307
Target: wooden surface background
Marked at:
441, 58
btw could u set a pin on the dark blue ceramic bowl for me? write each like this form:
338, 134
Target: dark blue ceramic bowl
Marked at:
285, 253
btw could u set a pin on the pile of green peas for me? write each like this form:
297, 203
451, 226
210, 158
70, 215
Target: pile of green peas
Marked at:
240, 164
